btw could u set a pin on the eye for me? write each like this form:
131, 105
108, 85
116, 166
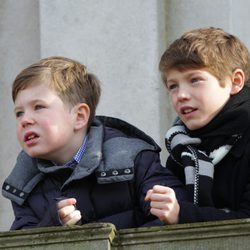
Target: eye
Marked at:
196, 80
19, 113
172, 86
39, 106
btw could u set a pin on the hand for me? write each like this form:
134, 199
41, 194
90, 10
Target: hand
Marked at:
67, 211
164, 204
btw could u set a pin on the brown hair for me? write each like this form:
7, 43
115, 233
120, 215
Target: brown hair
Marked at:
67, 77
212, 49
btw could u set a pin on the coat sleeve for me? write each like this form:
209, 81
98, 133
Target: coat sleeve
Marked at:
190, 213
150, 172
25, 217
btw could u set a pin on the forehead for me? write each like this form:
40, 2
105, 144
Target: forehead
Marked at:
175, 73
35, 92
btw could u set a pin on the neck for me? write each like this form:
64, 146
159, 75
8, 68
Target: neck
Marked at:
68, 152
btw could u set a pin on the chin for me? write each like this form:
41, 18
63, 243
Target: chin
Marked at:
33, 154
194, 126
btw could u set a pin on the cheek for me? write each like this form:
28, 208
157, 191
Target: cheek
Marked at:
50, 129
45, 123
18, 133
173, 101
216, 103
55, 128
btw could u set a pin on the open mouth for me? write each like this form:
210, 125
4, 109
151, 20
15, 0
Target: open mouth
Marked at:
186, 111
30, 137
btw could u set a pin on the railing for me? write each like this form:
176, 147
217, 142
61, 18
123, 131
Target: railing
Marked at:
226, 235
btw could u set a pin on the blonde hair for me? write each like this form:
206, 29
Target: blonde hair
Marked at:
67, 77
212, 49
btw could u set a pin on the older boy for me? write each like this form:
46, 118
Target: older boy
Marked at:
75, 168
206, 72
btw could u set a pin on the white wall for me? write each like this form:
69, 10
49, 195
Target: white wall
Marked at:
19, 46
231, 15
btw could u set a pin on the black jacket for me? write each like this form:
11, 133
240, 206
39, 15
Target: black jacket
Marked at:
231, 182
120, 164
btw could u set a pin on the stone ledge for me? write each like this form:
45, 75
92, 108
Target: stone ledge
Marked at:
230, 234
77, 237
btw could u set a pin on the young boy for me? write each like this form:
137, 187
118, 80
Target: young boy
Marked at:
206, 72
75, 168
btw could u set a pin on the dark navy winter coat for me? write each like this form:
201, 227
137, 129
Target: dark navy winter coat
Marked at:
120, 165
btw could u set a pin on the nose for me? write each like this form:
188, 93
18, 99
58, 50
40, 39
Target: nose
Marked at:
26, 120
183, 94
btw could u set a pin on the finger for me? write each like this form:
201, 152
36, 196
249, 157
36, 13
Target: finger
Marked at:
65, 211
161, 205
166, 197
72, 218
66, 202
148, 195
170, 216
167, 212
161, 214
162, 189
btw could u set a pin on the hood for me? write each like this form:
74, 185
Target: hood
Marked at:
127, 129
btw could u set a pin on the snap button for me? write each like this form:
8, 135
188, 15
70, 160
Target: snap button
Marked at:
7, 187
21, 194
127, 171
115, 172
103, 174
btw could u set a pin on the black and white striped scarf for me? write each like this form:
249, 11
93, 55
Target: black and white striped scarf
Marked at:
198, 165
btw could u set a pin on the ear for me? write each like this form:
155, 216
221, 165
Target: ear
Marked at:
82, 113
238, 80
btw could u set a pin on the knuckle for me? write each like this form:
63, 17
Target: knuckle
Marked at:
61, 213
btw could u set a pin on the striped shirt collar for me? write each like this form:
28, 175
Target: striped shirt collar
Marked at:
78, 156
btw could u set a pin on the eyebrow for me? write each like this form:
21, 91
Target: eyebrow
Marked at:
170, 80
30, 103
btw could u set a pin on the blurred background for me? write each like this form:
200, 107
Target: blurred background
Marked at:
121, 41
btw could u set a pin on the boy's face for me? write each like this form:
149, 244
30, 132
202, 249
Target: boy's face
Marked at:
197, 96
45, 125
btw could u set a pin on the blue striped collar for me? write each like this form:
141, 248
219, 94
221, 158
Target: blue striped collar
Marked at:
78, 156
